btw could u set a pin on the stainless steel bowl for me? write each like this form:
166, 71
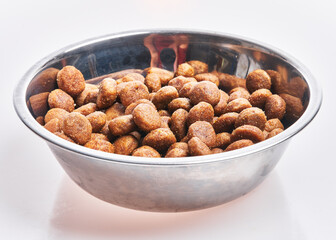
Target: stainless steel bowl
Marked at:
173, 184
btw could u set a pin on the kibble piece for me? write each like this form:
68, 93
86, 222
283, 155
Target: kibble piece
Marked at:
223, 140
165, 75
238, 92
205, 91
265, 134
176, 152
151, 96
165, 122
274, 132
258, 79
178, 123
122, 125
247, 132
279, 85
125, 145
136, 134
55, 113
101, 145
60, 99
185, 70
199, 67
107, 93
133, 77
164, 113
86, 109
164, 96
160, 139
258, 97
146, 151
221, 105
146, 117
252, 116
95, 136
239, 144
186, 89
130, 108
180, 81
91, 96
71, 80
54, 125
297, 87
273, 124
227, 82
77, 127
153, 82
238, 105
207, 77
177, 103
40, 120
204, 131
81, 98
97, 120
182, 145
214, 120
133, 91
116, 110
216, 150
197, 147
65, 137
201, 112
294, 107
275, 107
226, 122
106, 131
39, 103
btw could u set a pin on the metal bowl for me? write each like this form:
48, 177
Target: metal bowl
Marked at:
167, 184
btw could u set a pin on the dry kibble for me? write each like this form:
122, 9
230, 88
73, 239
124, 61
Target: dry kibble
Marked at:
55, 113
201, 112
133, 77
258, 97
204, 131
199, 67
130, 108
297, 87
216, 150
84, 97
133, 91
226, 122
238, 105
182, 145
146, 117
97, 120
279, 85
101, 136
122, 125
60, 99
180, 81
223, 140
101, 145
258, 79
294, 107
252, 116
71, 80
116, 110
160, 139
39, 103
220, 108
86, 109
265, 134
40, 120
227, 82
54, 125
153, 82
165, 122
165, 75
273, 124
275, 107
238, 92
247, 132
205, 91
185, 70
197, 147
106, 131
186, 89
125, 145
274, 132
178, 123
77, 127
164, 113
164, 96
107, 93
239, 144
176, 152
177, 103
207, 77
65, 137
146, 151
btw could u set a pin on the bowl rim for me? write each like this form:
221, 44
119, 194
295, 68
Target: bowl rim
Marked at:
19, 101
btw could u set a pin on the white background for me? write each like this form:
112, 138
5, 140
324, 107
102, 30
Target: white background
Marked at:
297, 200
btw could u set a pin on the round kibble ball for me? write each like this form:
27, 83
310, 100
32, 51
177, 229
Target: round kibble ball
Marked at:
251, 116
160, 139
107, 93
77, 127
146, 117
71, 80
60, 99
204, 131
275, 107
133, 91
205, 91
258, 79
146, 151
239, 144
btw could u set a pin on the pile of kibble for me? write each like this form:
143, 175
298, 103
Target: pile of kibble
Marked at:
160, 113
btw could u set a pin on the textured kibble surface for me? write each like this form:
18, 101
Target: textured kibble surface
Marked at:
157, 113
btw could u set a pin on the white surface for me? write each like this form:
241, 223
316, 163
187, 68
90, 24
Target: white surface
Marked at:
37, 199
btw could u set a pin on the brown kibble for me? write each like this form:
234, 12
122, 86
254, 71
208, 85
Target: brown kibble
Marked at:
133, 91
252, 116
100, 145
294, 107
86, 109
204, 131
273, 124
221, 105
199, 67
177, 103
216, 150
60, 99
258, 79
275, 107
130, 108
153, 82
186, 89
133, 77
274, 132
136, 134
122, 125
107, 93
180, 81
125, 145
238, 105
223, 140
116, 110
265, 134
227, 82
164, 96
247, 132
54, 125
39, 103
226, 122
146, 117
297, 87
176, 152
65, 137
258, 97
160, 139
164, 113
178, 123
238, 92
239, 144
71, 80
55, 113
95, 136
165, 122
97, 120
77, 127
197, 147
201, 112
106, 131
84, 97
185, 70
40, 120
165, 75
279, 85
207, 77
205, 91
146, 151
181, 145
